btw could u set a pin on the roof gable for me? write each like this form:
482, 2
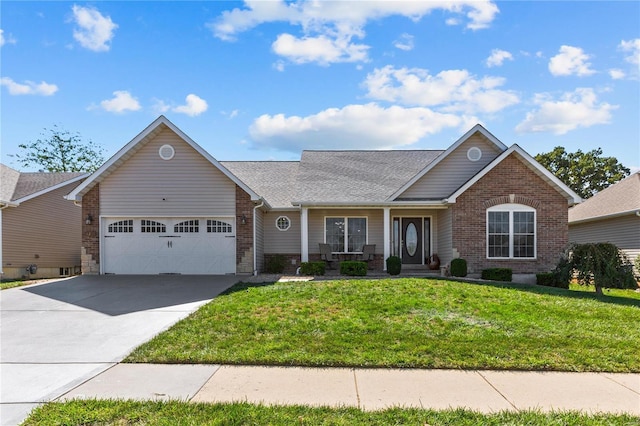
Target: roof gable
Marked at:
618, 199
537, 168
136, 144
475, 129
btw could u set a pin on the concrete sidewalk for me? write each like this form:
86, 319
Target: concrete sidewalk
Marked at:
369, 389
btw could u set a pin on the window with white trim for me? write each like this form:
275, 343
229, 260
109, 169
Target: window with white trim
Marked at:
283, 223
121, 226
217, 226
151, 226
346, 234
187, 226
511, 232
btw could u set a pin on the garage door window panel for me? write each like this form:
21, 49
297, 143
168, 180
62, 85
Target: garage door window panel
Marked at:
187, 226
121, 226
217, 226
152, 227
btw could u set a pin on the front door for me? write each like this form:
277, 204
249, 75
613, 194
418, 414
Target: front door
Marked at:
412, 240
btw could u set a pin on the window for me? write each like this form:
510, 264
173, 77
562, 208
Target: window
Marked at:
346, 234
283, 223
187, 226
121, 226
152, 226
511, 231
217, 226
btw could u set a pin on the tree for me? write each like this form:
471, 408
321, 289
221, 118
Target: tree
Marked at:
602, 265
60, 151
584, 172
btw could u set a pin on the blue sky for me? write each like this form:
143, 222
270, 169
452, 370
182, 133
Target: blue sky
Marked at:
264, 80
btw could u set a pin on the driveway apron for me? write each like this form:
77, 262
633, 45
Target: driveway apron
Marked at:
57, 335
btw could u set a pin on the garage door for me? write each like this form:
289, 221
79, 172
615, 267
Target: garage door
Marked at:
194, 246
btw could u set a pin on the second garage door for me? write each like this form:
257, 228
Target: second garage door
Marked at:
169, 246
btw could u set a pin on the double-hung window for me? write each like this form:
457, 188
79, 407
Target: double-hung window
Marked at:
346, 234
511, 232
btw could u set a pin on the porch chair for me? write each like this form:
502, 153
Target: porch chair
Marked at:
326, 255
368, 254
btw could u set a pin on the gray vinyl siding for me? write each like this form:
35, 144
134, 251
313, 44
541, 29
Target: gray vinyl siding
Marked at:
282, 242
186, 185
45, 231
623, 231
375, 227
259, 243
444, 236
452, 171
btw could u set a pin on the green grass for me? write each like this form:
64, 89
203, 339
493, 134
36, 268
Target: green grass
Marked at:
124, 413
416, 323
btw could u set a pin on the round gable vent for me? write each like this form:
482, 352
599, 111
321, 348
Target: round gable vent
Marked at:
474, 153
166, 152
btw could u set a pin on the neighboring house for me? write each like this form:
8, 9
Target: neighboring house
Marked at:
610, 216
39, 229
163, 204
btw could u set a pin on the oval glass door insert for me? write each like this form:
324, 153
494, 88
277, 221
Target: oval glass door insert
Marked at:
411, 239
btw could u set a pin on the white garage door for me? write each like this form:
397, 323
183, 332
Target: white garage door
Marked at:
196, 246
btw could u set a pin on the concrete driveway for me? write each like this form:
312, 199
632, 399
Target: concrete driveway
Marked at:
57, 335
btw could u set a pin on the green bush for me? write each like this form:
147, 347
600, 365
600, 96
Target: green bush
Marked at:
637, 266
394, 265
552, 279
312, 268
602, 265
275, 264
497, 274
458, 268
353, 268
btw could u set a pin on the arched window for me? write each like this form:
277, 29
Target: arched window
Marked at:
511, 232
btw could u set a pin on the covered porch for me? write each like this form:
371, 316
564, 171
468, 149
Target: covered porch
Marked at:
414, 233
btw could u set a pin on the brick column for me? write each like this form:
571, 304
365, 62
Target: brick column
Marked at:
90, 251
244, 232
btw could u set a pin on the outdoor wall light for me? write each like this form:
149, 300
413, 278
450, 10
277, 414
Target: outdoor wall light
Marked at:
243, 220
88, 220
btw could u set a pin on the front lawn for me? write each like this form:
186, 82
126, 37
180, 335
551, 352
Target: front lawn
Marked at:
412, 322
120, 413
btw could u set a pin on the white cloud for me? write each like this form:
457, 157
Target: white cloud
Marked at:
194, 106
6, 40
28, 87
632, 47
94, 31
328, 27
321, 49
121, 102
617, 74
450, 90
570, 61
159, 106
497, 58
579, 108
368, 126
405, 42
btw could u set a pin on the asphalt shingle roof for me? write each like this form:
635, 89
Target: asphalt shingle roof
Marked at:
275, 181
15, 185
357, 176
620, 197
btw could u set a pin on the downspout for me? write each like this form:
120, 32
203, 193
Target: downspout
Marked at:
255, 248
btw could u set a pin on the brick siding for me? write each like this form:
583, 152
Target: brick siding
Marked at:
510, 182
90, 251
244, 233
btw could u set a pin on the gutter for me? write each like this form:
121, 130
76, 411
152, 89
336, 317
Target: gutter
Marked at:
604, 217
346, 204
255, 249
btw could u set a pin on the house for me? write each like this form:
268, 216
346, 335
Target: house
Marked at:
162, 204
610, 216
39, 229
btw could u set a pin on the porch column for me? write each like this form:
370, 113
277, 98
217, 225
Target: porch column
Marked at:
386, 219
304, 234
